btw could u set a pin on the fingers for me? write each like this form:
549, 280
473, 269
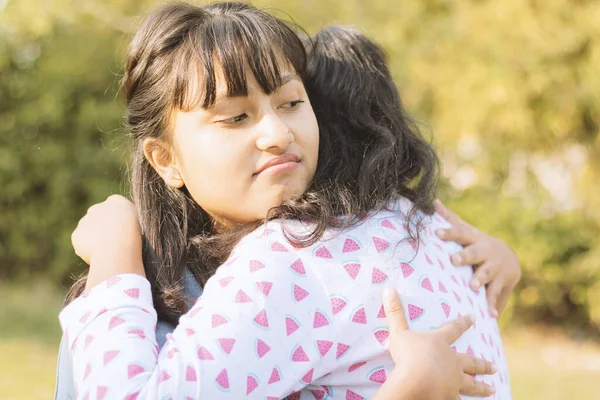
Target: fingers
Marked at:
452, 330
503, 300
78, 242
494, 290
476, 366
394, 311
484, 274
473, 254
446, 213
113, 198
461, 233
472, 387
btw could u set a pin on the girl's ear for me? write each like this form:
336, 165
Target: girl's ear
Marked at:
161, 158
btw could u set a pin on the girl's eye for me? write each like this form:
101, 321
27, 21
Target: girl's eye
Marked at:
291, 105
234, 120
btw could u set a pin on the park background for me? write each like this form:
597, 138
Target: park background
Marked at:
509, 91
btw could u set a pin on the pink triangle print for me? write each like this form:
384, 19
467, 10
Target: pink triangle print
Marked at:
299, 293
352, 269
242, 297
264, 287
350, 395
114, 322
320, 320
350, 245
226, 344
407, 269
222, 379
190, 374
101, 392
261, 348
387, 224
323, 346
341, 349
307, 378
134, 293
378, 276
112, 281
261, 319
218, 320
276, 246
275, 376
360, 317
225, 281
204, 354
110, 355
291, 325
380, 244
323, 252
256, 265
134, 370
251, 384
298, 267
163, 376
299, 355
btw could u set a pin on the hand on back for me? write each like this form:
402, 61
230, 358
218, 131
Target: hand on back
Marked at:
109, 239
426, 363
496, 265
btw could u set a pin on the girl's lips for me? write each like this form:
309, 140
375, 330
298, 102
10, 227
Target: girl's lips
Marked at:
278, 164
283, 167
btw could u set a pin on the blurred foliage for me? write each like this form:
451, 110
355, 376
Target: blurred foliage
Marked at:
510, 88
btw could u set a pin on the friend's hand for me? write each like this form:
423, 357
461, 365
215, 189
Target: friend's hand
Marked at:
426, 362
109, 239
496, 265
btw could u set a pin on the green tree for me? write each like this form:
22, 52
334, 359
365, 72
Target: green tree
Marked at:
509, 91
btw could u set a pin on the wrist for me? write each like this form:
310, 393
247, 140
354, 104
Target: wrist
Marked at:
400, 385
127, 259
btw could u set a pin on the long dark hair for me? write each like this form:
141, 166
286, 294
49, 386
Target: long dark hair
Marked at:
370, 153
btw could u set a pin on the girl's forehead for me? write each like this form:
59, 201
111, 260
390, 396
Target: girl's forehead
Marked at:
226, 88
203, 79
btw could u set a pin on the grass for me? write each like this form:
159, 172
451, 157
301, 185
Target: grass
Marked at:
29, 338
544, 364
27, 369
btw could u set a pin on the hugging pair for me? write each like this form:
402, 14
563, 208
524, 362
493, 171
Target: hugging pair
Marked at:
282, 175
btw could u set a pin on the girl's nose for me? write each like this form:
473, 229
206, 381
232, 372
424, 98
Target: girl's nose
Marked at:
274, 134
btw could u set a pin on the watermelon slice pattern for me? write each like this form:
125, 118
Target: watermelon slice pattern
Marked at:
381, 335
377, 375
323, 346
337, 304
378, 276
350, 245
257, 287
426, 284
352, 269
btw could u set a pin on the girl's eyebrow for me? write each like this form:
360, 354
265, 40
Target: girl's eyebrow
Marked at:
285, 80
221, 97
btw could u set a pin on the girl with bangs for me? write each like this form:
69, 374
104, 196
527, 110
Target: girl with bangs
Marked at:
293, 227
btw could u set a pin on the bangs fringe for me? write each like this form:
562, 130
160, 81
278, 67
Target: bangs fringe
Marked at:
235, 44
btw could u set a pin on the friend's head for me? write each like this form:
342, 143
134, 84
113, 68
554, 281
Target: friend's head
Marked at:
371, 152
225, 134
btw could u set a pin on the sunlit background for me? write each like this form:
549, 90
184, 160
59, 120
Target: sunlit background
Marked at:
509, 91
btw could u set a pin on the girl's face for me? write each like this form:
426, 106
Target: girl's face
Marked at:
246, 154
